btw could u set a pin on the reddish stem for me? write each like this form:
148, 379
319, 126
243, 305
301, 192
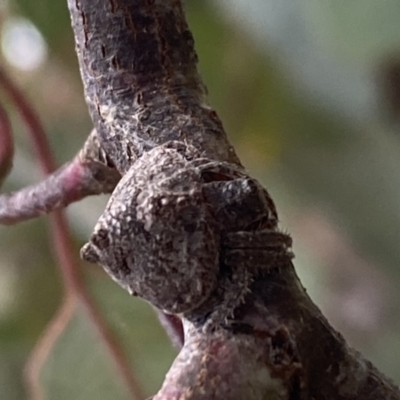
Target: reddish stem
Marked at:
44, 345
6, 145
33, 124
62, 242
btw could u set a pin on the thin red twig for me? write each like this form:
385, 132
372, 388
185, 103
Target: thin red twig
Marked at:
6, 144
44, 345
35, 128
71, 277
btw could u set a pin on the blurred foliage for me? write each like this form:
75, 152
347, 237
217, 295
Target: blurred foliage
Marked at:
80, 367
52, 18
299, 88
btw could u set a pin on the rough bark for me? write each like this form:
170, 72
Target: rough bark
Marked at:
138, 67
251, 331
139, 71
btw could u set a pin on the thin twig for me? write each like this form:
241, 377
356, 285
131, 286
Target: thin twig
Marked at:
33, 124
45, 344
64, 250
70, 183
6, 145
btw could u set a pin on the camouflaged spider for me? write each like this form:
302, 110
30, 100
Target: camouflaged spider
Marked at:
160, 234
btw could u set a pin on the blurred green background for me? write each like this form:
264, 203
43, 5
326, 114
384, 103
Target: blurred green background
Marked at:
309, 93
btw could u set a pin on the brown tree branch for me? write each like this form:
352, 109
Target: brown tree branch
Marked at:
207, 230
278, 346
258, 335
139, 55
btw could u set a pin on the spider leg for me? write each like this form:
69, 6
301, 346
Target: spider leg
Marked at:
240, 204
265, 239
254, 248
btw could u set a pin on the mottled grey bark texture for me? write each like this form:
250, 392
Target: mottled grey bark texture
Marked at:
187, 229
138, 66
254, 333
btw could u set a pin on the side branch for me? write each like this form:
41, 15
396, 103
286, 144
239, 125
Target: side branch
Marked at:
72, 182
